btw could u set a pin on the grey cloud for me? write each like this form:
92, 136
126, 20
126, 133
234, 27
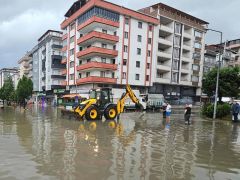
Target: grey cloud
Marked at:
22, 22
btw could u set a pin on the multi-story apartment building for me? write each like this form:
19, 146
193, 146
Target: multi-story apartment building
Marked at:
180, 38
107, 45
12, 73
211, 57
157, 49
26, 66
47, 67
234, 46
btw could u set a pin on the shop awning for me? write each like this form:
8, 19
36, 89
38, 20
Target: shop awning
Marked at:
72, 96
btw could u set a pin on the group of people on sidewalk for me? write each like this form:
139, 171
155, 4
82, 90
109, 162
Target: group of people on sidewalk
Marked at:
167, 110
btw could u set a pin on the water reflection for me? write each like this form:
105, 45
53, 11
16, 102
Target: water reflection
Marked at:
49, 146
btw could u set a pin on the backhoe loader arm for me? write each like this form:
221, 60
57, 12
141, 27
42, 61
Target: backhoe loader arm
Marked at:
121, 102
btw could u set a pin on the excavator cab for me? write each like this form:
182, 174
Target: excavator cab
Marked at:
103, 96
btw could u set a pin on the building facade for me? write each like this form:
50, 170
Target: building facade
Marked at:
12, 73
47, 67
234, 47
107, 45
157, 49
178, 68
26, 66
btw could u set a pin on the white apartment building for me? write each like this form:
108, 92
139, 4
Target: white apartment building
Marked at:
12, 73
47, 67
107, 45
26, 66
178, 67
157, 49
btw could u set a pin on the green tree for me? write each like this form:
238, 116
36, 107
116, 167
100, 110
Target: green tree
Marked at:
7, 90
229, 82
24, 89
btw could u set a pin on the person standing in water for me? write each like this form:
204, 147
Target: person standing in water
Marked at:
168, 112
187, 114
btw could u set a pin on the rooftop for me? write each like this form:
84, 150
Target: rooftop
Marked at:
48, 31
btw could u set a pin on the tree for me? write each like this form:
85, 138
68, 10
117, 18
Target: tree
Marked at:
7, 90
24, 89
229, 82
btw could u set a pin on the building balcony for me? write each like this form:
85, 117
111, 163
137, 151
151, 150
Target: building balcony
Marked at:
94, 35
165, 68
65, 36
64, 49
165, 42
64, 61
97, 51
199, 39
100, 20
97, 65
166, 28
187, 35
164, 54
187, 47
64, 72
96, 79
64, 83
162, 80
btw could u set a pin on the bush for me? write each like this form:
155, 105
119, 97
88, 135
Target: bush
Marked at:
223, 110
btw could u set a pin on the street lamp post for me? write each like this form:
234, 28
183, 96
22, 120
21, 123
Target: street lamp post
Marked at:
218, 72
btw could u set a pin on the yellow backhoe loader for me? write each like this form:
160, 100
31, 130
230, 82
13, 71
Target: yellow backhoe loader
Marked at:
101, 104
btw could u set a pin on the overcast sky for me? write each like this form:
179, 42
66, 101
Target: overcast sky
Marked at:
22, 22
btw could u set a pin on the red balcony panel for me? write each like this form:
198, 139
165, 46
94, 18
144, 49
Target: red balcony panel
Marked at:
98, 20
100, 35
64, 49
64, 61
64, 72
64, 36
95, 79
97, 65
64, 83
97, 50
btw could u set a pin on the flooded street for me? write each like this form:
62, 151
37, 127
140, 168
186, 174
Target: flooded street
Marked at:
41, 144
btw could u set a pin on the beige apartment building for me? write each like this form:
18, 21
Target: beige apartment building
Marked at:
26, 66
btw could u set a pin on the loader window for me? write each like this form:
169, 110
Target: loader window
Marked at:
93, 95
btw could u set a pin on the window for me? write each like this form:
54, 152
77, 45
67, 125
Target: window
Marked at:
176, 53
102, 74
149, 40
72, 26
113, 61
81, 35
140, 25
196, 55
195, 79
147, 77
71, 64
137, 77
80, 75
87, 74
150, 27
71, 76
80, 48
126, 35
138, 64
175, 65
174, 77
114, 47
125, 48
197, 45
195, 67
178, 28
104, 45
139, 39
126, 20
72, 39
72, 52
148, 65
197, 34
124, 75
139, 51
124, 62
159, 74
80, 62
103, 60
115, 33
177, 40
113, 75
149, 53
88, 60
104, 31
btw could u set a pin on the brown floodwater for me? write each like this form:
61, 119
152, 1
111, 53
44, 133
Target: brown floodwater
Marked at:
41, 144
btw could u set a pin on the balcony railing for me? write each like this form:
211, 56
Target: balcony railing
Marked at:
97, 65
96, 79
96, 51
